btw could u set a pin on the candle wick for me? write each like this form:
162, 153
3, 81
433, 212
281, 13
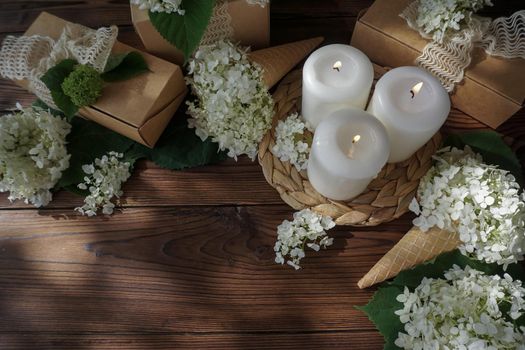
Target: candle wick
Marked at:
337, 66
355, 140
413, 93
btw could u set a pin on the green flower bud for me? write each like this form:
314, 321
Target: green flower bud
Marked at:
83, 85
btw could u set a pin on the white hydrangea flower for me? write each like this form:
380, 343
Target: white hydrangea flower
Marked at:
306, 230
233, 105
104, 181
290, 145
437, 18
480, 202
33, 154
167, 6
462, 311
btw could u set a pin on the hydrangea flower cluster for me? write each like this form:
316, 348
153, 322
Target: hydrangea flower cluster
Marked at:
306, 230
104, 181
437, 18
167, 6
84, 85
290, 142
480, 202
233, 105
33, 154
466, 310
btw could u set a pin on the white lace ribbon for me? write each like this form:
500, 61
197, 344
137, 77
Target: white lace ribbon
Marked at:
220, 25
504, 37
30, 57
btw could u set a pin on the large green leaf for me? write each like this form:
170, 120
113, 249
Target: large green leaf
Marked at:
185, 31
124, 66
380, 310
180, 148
491, 147
53, 79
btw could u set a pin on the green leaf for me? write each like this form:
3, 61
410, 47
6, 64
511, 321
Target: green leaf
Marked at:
86, 142
435, 268
41, 104
491, 147
186, 31
114, 61
124, 66
380, 310
179, 148
53, 79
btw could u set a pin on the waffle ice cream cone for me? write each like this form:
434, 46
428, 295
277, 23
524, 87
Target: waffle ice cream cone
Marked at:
278, 61
413, 249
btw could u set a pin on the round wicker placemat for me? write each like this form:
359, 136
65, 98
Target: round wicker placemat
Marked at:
387, 196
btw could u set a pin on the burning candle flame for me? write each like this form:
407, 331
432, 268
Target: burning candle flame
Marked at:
416, 89
355, 140
337, 66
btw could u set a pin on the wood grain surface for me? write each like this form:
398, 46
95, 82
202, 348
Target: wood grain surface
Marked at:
187, 260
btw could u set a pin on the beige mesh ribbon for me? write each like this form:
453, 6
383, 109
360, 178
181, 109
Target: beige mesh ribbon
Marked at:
30, 57
220, 26
504, 37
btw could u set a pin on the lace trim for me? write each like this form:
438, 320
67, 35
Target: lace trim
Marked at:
220, 26
503, 37
506, 36
30, 57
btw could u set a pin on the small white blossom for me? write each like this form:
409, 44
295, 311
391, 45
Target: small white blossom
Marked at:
437, 18
480, 202
33, 154
290, 145
233, 105
103, 181
306, 229
167, 6
462, 311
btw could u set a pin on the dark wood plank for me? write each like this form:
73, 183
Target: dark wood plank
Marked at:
334, 30
178, 270
180, 341
16, 16
239, 183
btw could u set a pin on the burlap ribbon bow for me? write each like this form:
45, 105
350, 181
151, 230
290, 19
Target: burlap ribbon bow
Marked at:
504, 37
30, 57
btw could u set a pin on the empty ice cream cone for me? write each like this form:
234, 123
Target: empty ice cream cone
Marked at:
278, 61
413, 249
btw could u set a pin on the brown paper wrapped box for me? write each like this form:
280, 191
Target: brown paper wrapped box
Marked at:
139, 108
250, 24
493, 89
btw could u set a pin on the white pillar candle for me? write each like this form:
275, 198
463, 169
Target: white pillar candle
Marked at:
349, 149
334, 77
412, 105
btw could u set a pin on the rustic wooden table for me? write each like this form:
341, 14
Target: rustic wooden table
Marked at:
188, 261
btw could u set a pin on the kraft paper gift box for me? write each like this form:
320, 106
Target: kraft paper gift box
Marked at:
250, 24
139, 108
493, 89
